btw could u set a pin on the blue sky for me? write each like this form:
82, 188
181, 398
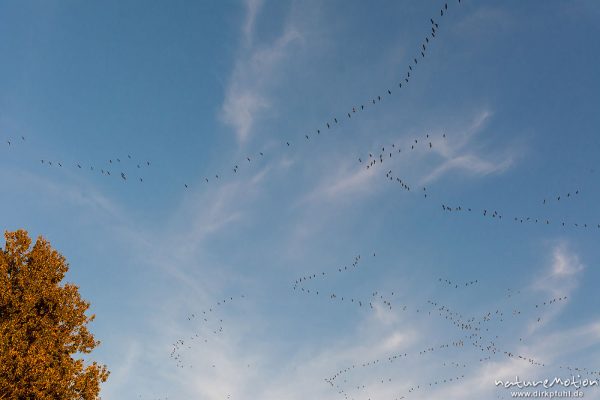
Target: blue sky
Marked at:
196, 88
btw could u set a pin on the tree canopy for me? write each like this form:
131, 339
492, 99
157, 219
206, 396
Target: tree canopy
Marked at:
43, 326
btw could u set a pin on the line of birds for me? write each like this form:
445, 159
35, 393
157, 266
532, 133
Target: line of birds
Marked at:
493, 213
401, 182
516, 311
389, 379
577, 370
434, 383
448, 282
459, 342
558, 197
370, 160
322, 274
117, 167
372, 301
113, 167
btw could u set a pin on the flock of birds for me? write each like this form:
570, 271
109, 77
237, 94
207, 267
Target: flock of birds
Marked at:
208, 326
474, 332
476, 338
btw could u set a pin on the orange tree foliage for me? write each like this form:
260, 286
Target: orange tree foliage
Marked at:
42, 324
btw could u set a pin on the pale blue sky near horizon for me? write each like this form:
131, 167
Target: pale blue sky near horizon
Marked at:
196, 87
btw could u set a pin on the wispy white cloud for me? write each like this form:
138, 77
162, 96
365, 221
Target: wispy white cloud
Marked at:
178, 254
559, 279
80, 194
456, 152
579, 337
459, 154
481, 20
563, 274
201, 215
470, 163
304, 375
347, 180
252, 9
120, 376
247, 93
242, 104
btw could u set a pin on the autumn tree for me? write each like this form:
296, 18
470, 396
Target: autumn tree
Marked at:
43, 327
